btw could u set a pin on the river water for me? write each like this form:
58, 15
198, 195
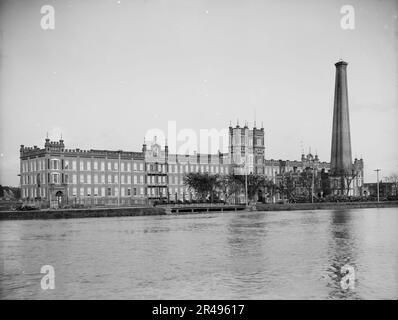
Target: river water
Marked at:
230, 255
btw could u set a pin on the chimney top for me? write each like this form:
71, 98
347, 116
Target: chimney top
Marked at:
341, 63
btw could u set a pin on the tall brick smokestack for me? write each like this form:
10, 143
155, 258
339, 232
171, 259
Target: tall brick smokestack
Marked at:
341, 158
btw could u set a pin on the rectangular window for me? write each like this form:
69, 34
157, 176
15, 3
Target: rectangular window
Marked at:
95, 191
141, 190
109, 178
135, 179
128, 191
74, 165
89, 179
116, 192
103, 191
122, 179
129, 167
116, 166
81, 165
109, 191
109, 166
103, 179
122, 190
74, 191
88, 191
141, 167
66, 164
88, 165
81, 178
82, 192
96, 178
141, 179
116, 179
135, 166
129, 179
95, 165
102, 166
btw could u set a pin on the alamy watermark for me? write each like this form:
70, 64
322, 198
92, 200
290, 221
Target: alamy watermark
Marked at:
347, 21
188, 141
47, 21
48, 280
348, 279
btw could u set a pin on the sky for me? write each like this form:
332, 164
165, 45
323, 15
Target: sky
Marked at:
110, 71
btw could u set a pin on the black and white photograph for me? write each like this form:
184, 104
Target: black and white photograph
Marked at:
198, 150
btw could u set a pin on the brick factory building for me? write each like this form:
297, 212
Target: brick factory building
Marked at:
60, 175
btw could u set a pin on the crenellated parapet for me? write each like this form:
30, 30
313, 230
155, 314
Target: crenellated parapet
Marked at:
26, 152
58, 147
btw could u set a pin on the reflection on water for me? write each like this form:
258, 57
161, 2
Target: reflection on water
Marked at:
341, 250
242, 255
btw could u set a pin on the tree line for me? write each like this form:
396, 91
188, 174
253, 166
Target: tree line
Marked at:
212, 186
288, 186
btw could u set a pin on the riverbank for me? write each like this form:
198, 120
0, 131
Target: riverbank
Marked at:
81, 213
325, 206
153, 211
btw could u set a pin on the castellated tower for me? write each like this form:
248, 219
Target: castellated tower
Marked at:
246, 148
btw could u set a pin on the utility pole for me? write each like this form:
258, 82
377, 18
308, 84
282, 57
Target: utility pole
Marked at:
312, 182
378, 190
312, 185
245, 169
118, 194
246, 184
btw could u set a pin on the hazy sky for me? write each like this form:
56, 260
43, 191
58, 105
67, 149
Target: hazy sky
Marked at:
111, 70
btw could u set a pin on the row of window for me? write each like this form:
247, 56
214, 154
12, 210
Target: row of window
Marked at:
88, 165
84, 165
110, 192
111, 179
33, 165
102, 192
57, 178
181, 191
242, 139
32, 192
176, 180
100, 165
86, 192
157, 191
156, 180
185, 168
